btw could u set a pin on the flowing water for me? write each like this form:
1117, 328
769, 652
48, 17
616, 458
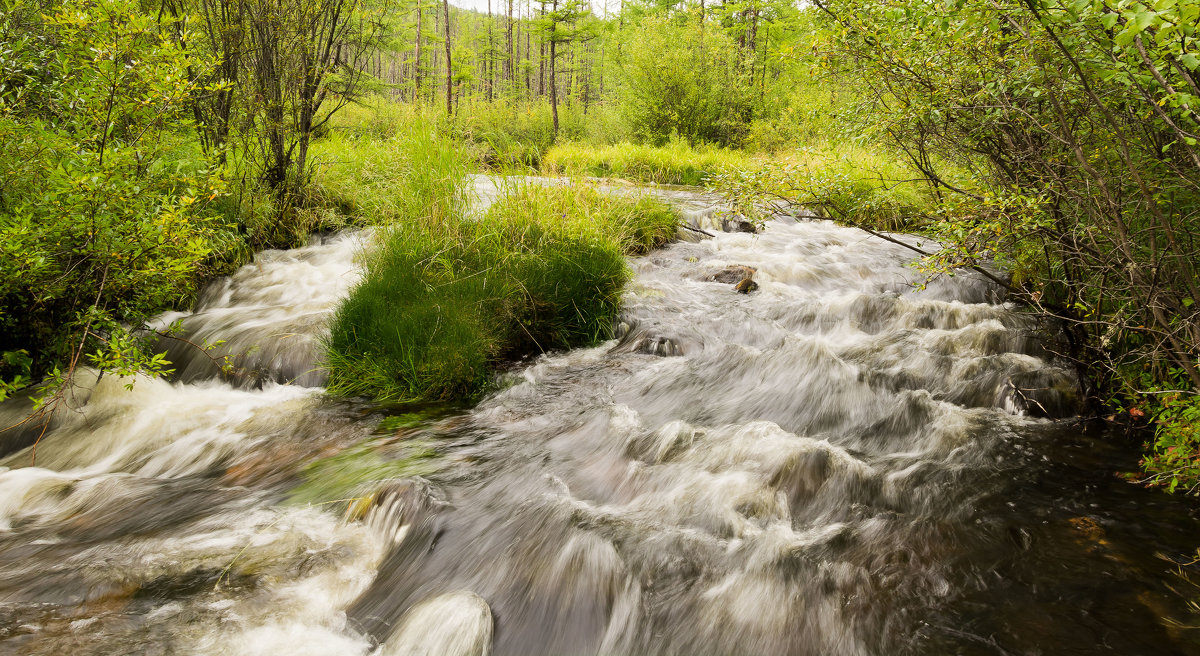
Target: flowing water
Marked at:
842, 462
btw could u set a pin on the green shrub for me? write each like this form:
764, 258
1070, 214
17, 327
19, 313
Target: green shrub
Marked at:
685, 80
105, 214
1173, 459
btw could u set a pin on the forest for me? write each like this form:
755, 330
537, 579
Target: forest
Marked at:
150, 146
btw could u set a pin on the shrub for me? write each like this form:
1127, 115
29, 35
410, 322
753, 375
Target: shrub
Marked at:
104, 201
685, 80
1173, 460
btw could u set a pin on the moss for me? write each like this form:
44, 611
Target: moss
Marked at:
348, 474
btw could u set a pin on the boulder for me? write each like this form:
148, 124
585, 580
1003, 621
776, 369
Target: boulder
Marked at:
732, 274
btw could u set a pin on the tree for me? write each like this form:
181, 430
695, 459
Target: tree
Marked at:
101, 218
449, 66
305, 60
561, 25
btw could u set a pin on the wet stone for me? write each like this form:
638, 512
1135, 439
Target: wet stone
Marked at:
738, 223
732, 274
746, 286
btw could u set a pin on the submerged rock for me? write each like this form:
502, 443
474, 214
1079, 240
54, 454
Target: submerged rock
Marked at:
732, 274
453, 624
396, 507
738, 223
639, 340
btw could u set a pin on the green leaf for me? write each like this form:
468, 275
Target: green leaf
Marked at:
1144, 19
1125, 37
1108, 20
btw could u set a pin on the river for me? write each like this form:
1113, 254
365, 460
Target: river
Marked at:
845, 461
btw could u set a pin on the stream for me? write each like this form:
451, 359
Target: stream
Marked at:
845, 461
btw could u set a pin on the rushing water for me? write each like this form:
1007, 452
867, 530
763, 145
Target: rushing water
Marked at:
842, 462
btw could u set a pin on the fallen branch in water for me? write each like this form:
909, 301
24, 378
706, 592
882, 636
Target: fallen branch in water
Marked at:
693, 229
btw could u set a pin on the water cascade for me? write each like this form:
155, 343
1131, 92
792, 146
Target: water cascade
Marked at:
844, 461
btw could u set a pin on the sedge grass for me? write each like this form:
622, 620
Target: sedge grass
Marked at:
675, 163
445, 299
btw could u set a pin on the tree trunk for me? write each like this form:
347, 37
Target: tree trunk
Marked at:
508, 62
600, 63
417, 58
488, 64
528, 56
449, 68
553, 85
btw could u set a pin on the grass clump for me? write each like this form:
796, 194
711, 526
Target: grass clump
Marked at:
515, 137
675, 163
444, 301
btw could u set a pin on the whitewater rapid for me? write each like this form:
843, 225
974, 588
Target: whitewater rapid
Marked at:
849, 460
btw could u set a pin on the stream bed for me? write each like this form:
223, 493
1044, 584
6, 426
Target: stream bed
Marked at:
845, 461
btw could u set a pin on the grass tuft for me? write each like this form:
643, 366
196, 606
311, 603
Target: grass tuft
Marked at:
445, 299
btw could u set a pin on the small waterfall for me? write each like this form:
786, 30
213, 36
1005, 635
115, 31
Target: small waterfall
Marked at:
266, 322
843, 461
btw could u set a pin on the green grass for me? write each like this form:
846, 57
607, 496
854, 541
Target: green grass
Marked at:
843, 182
404, 174
675, 163
864, 185
444, 300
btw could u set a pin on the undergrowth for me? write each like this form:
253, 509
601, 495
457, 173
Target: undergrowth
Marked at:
675, 163
842, 182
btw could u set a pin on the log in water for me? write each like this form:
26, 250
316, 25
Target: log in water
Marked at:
839, 462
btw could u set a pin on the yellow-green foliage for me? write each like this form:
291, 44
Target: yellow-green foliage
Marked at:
105, 213
515, 136
381, 180
501, 136
675, 163
840, 181
635, 223
376, 116
865, 184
